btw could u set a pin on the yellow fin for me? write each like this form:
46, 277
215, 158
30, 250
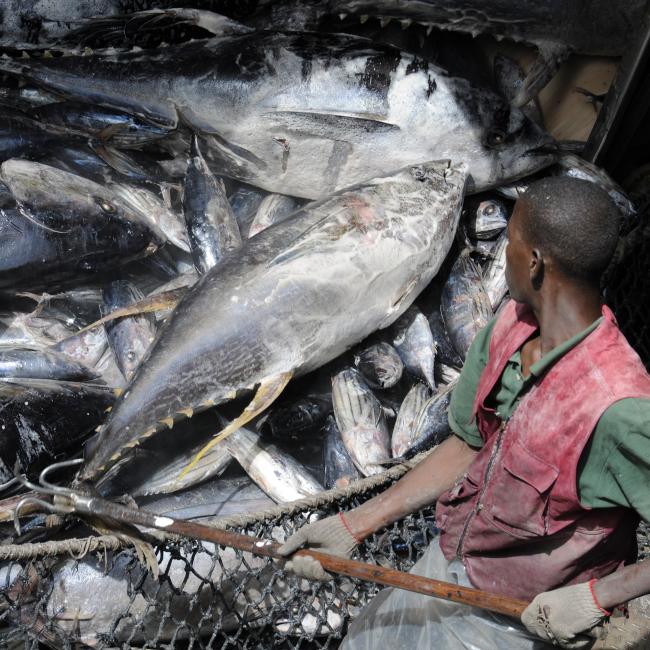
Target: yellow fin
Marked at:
168, 421
118, 391
189, 412
269, 390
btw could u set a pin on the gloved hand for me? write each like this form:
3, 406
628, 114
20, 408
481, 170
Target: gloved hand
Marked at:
564, 616
330, 535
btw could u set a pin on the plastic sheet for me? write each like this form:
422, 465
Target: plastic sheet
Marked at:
403, 619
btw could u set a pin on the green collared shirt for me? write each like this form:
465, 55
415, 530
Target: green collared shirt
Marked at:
614, 468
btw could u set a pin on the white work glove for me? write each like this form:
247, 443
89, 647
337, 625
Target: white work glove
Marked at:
330, 535
564, 616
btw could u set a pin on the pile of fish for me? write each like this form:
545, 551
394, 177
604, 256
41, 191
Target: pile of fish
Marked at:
234, 253
242, 264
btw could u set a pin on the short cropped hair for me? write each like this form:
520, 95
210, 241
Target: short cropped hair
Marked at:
574, 222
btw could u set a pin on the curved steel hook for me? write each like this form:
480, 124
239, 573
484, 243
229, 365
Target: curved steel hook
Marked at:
45, 505
52, 487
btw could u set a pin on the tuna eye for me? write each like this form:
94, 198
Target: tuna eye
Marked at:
489, 210
106, 206
496, 138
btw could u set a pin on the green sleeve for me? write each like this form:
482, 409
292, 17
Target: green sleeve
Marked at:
614, 468
462, 399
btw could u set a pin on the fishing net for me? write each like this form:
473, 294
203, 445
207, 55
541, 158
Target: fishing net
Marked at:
204, 596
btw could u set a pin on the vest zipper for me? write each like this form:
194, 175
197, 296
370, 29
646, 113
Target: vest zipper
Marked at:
486, 479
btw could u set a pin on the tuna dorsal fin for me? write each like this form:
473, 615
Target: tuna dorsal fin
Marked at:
268, 391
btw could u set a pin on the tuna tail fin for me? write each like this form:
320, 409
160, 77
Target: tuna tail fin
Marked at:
268, 391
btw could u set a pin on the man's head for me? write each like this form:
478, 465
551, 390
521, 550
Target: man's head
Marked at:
561, 229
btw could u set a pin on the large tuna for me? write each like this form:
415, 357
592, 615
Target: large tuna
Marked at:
306, 114
292, 298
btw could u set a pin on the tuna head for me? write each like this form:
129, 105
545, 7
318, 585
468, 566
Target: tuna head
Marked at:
289, 300
498, 138
45, 190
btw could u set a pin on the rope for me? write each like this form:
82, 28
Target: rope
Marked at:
322, 498
78, 548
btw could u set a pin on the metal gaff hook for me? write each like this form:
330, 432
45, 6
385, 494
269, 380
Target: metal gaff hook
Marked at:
59, 505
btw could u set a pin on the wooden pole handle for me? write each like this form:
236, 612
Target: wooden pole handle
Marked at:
372, 573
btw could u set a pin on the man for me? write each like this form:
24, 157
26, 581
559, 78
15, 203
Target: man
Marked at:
549, 468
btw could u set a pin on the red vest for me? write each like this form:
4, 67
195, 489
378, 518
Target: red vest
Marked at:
515, 518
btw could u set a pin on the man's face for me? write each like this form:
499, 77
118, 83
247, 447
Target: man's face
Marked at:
518, 256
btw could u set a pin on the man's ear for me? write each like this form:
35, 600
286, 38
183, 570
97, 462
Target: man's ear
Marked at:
536, 269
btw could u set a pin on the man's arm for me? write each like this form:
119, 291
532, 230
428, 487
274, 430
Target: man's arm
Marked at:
418, 488
340, 534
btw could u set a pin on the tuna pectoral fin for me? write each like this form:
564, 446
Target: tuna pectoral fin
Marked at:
165, 300
269, 390
115, 159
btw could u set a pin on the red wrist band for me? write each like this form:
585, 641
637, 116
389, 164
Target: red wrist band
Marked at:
593, 595
347, 527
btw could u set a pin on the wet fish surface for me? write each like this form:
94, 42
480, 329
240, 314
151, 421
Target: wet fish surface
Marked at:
487, 219
494, 273
432, 425
404, 431
278, 474
465, 304
310, 113
413, 340
273, 209
380, 365
129, 337
361, 421
339, 469
42, 364
211, 224
41, 419
291, 299
64, 226
296, 418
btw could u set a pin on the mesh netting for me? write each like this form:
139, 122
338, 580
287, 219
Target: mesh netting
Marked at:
204, 597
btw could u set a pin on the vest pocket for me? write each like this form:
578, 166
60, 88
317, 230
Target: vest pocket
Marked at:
517, 499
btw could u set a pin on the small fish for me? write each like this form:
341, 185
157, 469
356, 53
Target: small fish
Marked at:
109, 371
361, 421
465, 304
279, 475
129, 337
380, 365
404, 429
43, 418
445, 350
86, 347
273, 209
245, 201
296, 418
121, 129
165, 478
211, 224
432, 425
412, 338
65, 226
494, 272
42, 364
486, 220
152, 210
338, 468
